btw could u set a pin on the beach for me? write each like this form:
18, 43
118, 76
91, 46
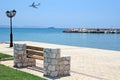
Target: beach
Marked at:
86, 63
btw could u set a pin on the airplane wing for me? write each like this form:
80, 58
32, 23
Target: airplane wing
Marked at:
37, 4
35, 7
33, 3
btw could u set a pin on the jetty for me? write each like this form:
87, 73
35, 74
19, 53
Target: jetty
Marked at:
93, 30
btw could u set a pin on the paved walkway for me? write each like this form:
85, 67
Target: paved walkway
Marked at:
86, 63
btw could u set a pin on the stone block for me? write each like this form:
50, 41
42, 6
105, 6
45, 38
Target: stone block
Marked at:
47, 52
19, 49
21, 45
59, 59
57, 67
45, 60
19, 65
66, 62
26, 60
55, 53
61, 63
54, 74
45, 68
53, 61
33, 63
45, 73
49, 60
66, 73
62, 67
48, 72
16, 45
58, 53
15, 51
61, 73
17, 60
68, 58
30, 59
51, 67
51, 53
25, 64
45, 64
29, 64
67, 67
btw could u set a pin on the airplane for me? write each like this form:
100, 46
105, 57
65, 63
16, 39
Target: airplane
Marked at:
34, 5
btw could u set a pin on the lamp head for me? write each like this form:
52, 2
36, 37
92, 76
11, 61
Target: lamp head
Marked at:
14, 12
11, 14
8, 13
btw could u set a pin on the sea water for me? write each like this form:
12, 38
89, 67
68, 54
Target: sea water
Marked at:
57, 36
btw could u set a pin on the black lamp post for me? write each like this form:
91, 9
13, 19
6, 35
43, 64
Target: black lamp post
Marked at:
11, 14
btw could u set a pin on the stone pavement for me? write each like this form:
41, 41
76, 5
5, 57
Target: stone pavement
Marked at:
86, 63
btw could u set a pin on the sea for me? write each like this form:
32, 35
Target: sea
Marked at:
57, 36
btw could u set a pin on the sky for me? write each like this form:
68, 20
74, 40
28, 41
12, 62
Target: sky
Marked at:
62, 13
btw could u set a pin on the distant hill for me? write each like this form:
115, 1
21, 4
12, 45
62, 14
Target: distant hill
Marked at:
8, 26
51, 27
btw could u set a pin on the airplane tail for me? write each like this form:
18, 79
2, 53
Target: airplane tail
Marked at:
38, 4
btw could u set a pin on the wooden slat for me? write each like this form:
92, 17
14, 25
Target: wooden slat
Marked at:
34, 52
36, 57
34, 48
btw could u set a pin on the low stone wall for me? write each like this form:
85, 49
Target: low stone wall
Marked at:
20, 57
54, 65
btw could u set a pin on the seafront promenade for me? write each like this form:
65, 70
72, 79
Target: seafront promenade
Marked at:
86, 63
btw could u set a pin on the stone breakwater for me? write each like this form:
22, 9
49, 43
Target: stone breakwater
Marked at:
93, 30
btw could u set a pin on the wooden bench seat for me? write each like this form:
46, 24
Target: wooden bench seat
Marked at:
34, 52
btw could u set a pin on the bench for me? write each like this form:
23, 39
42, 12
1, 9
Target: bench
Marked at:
54, 65
34, 52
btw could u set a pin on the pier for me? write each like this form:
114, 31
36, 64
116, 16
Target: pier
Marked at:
93, 30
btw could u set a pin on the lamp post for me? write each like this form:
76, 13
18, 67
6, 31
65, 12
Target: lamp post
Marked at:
11, 14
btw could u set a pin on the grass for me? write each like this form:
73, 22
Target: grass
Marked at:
7, 73
4, 55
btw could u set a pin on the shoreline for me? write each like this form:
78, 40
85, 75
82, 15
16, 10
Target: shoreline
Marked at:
64, 45
6, 42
